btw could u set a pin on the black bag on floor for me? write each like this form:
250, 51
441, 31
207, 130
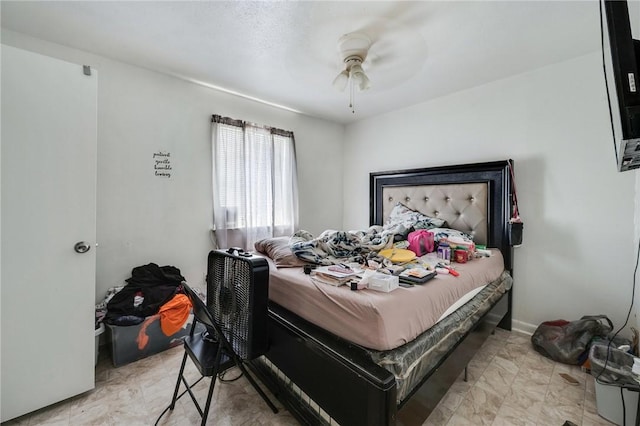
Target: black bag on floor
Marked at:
569, 341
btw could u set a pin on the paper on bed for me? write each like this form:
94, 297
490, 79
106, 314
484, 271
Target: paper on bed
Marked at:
327, 276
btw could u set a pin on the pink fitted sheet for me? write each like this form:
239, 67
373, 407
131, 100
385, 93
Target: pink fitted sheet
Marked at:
373, 319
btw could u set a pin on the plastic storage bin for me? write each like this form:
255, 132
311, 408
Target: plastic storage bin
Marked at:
99, 331
612, 372
609, 404
134, 342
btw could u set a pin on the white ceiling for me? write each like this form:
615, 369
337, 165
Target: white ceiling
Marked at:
286, 52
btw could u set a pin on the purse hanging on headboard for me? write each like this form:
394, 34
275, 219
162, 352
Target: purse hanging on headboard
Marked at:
515, 223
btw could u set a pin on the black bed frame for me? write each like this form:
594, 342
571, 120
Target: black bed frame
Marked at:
337, 375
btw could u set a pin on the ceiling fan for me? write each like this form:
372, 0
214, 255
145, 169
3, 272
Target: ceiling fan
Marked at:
353, 48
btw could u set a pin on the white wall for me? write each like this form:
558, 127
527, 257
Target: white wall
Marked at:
143, 218
578, 250
578, 211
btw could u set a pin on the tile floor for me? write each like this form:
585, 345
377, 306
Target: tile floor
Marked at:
508, 384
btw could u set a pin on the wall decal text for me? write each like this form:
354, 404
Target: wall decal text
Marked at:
162, 164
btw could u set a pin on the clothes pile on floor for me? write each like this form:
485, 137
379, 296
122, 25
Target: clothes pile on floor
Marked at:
153, 292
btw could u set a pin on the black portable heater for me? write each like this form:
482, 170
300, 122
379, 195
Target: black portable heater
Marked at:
237, 297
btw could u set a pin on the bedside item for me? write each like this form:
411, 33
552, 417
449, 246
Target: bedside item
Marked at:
412, 279
397, 255
421, 242
460, 256
444, 252
383, 282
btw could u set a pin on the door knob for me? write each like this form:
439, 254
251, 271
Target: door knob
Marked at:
81, 247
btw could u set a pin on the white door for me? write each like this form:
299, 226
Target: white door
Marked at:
49, 142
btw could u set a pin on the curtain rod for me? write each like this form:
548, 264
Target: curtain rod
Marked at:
241, 123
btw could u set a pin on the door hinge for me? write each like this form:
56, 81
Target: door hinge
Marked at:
86, 69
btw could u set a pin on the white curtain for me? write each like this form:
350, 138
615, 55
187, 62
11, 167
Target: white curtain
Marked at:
255, 188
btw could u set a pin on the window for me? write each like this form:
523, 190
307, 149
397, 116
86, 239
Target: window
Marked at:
255, 191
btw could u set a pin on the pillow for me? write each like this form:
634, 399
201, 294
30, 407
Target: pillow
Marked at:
440, 233
279, 250
401, 214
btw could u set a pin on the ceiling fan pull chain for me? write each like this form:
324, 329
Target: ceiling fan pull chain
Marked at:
351, 97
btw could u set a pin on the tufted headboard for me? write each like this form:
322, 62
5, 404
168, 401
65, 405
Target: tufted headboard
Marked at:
463, 206
473, 198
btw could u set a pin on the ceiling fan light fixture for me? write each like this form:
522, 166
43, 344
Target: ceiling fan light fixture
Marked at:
364, 83
359, 77
354, 48
355, 70
341, 80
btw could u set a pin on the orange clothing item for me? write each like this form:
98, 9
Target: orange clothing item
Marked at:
174, 314
142, 338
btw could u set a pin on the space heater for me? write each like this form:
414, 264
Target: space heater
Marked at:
237, 297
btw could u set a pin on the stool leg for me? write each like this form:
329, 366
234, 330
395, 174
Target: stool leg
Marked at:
212, 385
175, 392
208, 404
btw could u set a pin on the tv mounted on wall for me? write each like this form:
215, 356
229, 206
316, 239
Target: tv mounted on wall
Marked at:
624, 55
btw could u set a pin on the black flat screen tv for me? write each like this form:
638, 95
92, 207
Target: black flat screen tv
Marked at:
624, 55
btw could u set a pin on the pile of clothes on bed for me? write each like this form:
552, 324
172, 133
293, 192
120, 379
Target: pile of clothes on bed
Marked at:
334, 247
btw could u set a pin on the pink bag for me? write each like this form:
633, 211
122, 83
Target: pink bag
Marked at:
421, 242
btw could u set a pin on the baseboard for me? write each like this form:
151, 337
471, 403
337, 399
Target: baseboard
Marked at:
523, 327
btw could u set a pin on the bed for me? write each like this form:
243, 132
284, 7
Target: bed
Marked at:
323, 375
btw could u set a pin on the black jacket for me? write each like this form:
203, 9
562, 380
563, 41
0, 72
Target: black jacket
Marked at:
156, 284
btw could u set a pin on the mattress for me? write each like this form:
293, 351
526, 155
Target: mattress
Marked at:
376, 320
